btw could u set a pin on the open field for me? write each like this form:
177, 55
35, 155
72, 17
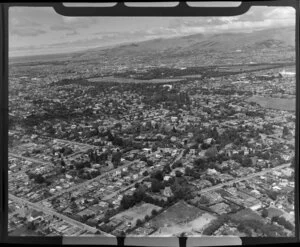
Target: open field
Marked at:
179, 218
193, 227
126, 80
137, 212
246, 214
274, 103
24, 231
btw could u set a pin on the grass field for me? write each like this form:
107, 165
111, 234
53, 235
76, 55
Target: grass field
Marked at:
127, 80
179, 218
274, 103
137, 212
23, 231
194, 227
246, 214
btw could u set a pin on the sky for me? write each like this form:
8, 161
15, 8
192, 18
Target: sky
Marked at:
40, 30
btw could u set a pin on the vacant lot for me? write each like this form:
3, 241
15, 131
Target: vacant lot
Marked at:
137, 212
274, 103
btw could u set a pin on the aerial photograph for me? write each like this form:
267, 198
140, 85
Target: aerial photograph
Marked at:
152, 126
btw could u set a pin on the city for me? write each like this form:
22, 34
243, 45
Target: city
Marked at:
155, 144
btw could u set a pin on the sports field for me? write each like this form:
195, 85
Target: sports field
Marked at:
179, 218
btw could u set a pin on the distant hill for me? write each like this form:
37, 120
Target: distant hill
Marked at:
198, 46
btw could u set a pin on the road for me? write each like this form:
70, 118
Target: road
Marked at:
78, 186
138, 181
30, 159
218, 186
72, 142
53, 213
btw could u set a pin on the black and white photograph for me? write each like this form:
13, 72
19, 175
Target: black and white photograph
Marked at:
152, 126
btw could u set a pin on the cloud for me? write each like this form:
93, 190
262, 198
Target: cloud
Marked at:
23, 22
73, 24
60, 28
72, 33
255, 19
79, 22
25, 32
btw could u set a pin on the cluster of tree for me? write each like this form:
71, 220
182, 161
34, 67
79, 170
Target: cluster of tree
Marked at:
181, 189
157, 73
269, 230
255, 114
189, 172
79, 165
64, 150
283, 222
38, 178
285, 131
95, 158
139, 195
272, 194
171, 99
106, 228
31, 226
116, 158
129, 201
215, 224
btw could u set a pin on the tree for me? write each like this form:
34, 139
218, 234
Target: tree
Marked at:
31, 226
196, 175
116, 157
274, 219
118, 126
246, 162
127, 201
153, 212
180, 191
214, 133
204, 200
158, 175
79, 165
205, 146
272, 194
167, 169
288, 225
178, 173
264, 213
211, 152
285, 131
139, 195
156, 185
188, 171
150, 163
138, 223
144, 158
92, 222
176, 164
39, 179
